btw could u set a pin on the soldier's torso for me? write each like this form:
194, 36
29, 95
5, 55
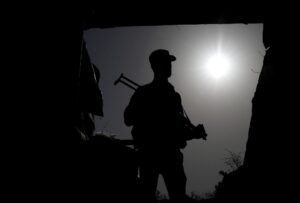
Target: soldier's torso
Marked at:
159, 107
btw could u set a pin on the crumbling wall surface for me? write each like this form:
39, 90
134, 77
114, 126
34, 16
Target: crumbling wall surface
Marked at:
269, 155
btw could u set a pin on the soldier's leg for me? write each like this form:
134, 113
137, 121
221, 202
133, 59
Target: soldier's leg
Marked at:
148, 181
175, 178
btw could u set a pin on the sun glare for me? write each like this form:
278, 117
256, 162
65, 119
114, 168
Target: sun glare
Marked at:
218, 65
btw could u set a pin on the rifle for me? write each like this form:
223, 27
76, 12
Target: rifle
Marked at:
196, 132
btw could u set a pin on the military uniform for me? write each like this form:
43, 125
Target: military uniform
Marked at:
155, 112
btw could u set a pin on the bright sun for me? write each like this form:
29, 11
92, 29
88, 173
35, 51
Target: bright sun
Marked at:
218, 65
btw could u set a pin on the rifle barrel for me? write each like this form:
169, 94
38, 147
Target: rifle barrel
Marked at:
126, 81
128, 85
132, 82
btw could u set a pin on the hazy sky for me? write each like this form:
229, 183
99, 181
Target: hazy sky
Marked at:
222, 104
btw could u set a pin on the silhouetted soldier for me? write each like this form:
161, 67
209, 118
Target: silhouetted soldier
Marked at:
156, 114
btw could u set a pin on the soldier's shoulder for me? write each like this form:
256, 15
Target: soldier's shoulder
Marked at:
145, 88
141, 91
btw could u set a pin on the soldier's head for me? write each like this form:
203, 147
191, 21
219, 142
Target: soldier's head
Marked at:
160, 61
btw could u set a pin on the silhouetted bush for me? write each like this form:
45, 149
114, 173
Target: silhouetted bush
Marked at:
231, 185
